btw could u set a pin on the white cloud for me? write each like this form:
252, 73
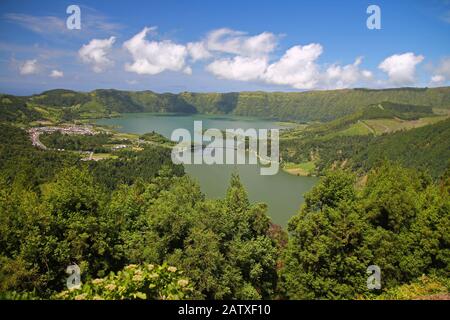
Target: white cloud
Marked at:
153, 57
29, 67
239, 43
187, 70
437, 79
367, 74
238, 68
56, 74
198, 51
224, 40
250, 53
297, 67
260, 44
441, 72
401, 67
340, 77
444, 67
95, 53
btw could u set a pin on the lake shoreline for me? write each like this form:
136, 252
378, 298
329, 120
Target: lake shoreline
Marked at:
282, 192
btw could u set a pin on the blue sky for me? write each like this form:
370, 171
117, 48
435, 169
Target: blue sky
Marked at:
173, 46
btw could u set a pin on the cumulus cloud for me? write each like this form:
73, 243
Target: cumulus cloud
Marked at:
29, 67
187, 70
340, 77
401, 68
441, 72
153, 57
198, 51
297, 67
444, 67
260, 44
96, 53
238, 68
237, 42
250, 53
437, 79
56, 74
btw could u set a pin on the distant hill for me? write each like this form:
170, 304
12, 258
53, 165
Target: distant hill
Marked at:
15, 109
402, 111
376, 119
296, 106
333, 144
411, 134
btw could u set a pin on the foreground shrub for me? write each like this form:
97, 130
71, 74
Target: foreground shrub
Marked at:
135, 282
425, 287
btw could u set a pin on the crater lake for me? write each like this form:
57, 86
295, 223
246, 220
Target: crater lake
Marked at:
282, 192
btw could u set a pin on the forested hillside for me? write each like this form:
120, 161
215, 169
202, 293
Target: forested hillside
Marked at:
292, 106
111, 215
425, 148
15, 109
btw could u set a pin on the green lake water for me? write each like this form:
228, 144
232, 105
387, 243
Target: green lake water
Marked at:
282, 192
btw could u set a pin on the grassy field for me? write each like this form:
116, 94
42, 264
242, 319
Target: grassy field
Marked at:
299, 169
290, 125
102, 156
443, 112
356, 129
381, 126
121, 135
